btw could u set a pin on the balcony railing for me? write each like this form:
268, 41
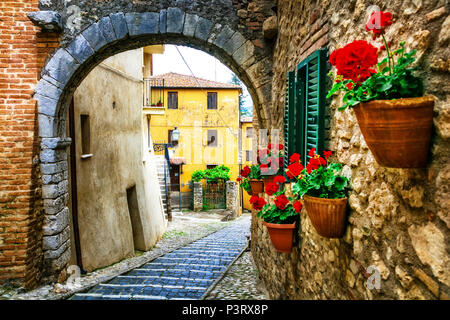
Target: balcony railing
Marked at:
153, 93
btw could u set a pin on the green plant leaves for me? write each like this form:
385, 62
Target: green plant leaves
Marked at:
401, 83
324, 182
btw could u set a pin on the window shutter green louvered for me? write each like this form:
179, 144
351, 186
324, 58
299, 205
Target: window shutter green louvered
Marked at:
289, 118
311, 76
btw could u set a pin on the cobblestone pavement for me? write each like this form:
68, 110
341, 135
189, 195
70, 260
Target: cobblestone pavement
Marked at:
185, 273
240, 282
185, 228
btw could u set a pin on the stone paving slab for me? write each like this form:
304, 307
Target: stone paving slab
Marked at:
185, 273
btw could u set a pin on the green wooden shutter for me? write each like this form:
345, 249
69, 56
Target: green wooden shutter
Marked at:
304, 111
289, 118
311, 77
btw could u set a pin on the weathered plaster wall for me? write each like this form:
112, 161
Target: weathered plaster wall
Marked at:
398, 219
117, 164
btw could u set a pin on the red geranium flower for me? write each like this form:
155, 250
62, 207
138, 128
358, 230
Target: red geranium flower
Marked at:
327, 154
294, 158
281, 201
378, 21
313, 164
253, 199
238, 179
280, 147
270, 145
245, 172
271, 188
355, 60
297, 206
279, 179
289, 174
322, 161
312, 152
259, 203
295, 169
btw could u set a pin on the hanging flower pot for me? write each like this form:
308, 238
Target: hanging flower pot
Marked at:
280, 218
324, 191
397, 132
257, 186
328, 216
268, 179
281, 235
387, 96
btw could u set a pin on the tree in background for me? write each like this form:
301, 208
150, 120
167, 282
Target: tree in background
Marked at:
245, 110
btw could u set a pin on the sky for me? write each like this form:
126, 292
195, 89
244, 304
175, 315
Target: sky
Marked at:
202, 65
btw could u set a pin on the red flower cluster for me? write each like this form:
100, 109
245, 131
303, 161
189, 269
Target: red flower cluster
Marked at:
355, 60
294, 169
245, 172
297, 206
294, 158
378, 21
281, 201
279, 179
257, 202
271, 188
238, 179
316, 161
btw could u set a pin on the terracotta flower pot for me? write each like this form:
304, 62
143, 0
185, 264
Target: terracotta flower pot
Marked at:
268, 179
397, 132
328, 216
257, 186
281, 235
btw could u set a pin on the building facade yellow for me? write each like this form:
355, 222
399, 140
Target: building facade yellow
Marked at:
206, 113
246, 124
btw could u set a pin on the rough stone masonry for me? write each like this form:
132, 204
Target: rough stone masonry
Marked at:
398, 219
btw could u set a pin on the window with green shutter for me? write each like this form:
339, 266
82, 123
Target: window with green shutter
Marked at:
304, 118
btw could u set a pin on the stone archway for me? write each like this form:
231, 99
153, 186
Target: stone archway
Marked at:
113, 34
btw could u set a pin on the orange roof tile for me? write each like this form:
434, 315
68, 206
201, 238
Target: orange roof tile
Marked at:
176, 80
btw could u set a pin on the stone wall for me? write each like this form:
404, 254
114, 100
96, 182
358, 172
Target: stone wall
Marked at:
397, 219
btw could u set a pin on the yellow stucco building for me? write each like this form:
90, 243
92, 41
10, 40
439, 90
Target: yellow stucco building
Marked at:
246, 125
206, 113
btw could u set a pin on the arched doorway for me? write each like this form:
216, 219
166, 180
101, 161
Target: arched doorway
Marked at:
113, 34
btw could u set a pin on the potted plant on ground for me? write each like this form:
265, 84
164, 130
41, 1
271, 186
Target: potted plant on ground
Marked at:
323, 190
280, 218
387, 97
270, 161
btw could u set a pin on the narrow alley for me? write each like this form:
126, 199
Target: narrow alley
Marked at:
185, 273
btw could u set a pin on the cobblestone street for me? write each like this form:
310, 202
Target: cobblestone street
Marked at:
190, 272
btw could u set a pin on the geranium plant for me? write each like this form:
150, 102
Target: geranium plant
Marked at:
270, 159
283, 211
246, 174
320, 178
362, 77
272, 187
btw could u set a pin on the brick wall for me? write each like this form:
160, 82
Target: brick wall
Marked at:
23, 51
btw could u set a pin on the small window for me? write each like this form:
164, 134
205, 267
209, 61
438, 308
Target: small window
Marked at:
85, 134
172, 100
171, 143
248, 155
212, 100
249, 132
211, 166
212, 138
